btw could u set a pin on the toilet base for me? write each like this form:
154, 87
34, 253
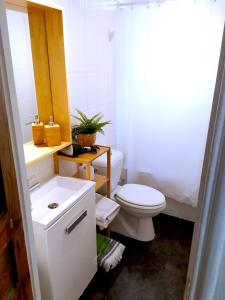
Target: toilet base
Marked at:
140, 229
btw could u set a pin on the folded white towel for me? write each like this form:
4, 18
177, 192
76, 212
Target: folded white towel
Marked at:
103, 225
106, 210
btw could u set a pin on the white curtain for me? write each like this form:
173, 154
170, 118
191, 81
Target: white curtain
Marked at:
167, 58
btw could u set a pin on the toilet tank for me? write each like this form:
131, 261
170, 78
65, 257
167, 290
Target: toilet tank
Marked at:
100, 165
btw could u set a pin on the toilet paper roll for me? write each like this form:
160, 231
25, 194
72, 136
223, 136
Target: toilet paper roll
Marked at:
82, 172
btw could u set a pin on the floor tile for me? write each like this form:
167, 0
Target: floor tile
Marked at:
153, 270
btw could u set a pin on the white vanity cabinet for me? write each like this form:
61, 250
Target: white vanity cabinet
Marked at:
66, 249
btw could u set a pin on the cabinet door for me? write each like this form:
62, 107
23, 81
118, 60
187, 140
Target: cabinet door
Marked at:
72, 258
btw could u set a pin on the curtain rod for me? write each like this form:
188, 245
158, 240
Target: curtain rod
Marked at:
135, 3
132, 3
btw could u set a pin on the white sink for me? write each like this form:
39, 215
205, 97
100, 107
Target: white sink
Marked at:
62, 193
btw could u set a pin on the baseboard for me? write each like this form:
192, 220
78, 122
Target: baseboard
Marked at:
180, 210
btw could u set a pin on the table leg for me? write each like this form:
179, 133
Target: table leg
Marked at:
56, 163
88, 175
109, 172
108, 231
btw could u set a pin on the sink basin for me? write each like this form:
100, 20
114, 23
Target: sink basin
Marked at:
53, 198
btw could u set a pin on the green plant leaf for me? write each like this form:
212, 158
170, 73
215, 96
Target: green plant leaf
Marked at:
80, 119
83, 116
88, 125
96, 116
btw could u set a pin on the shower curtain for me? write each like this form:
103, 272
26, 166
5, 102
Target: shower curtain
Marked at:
167, 58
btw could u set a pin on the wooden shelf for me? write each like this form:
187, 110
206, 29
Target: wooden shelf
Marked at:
35, 153
100, 180
85, 158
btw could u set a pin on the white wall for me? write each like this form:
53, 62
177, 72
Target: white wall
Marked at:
40, 171
90, 64
90, 60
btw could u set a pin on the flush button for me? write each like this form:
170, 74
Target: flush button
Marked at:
53, 205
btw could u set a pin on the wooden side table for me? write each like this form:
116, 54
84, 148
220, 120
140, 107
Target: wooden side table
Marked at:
87, 158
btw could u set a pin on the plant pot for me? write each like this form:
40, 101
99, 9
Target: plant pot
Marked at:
86, 140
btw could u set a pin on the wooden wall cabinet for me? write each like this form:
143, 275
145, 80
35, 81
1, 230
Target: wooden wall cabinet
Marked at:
47, 44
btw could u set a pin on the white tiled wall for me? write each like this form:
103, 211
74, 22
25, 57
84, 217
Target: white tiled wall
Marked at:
91, 74
90, 67
41, 171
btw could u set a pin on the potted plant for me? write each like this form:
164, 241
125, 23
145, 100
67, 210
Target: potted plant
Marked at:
84, 133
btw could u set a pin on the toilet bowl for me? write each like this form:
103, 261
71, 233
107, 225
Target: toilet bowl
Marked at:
139, 203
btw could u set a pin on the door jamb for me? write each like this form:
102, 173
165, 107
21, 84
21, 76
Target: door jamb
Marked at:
211, 183
17, 148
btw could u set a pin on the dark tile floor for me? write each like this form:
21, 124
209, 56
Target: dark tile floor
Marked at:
149, 270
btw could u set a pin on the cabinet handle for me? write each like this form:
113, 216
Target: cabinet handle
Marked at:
75, 223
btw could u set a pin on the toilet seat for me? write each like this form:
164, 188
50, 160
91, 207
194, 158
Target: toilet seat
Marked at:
142, 208
142, 196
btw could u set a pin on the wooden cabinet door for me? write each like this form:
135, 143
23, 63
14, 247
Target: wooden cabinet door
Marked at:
15, 280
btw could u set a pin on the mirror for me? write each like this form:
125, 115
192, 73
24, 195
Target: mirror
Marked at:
19, 37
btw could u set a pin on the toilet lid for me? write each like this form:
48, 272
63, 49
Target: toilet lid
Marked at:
142, 195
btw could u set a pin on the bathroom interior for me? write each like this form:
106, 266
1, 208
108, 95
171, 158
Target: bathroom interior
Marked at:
150, 68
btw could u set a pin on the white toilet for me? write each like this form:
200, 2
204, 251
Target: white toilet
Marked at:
139, 203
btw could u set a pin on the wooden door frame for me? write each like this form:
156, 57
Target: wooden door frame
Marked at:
206, 237
10, 100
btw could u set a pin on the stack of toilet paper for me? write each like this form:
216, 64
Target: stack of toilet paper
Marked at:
82, 172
